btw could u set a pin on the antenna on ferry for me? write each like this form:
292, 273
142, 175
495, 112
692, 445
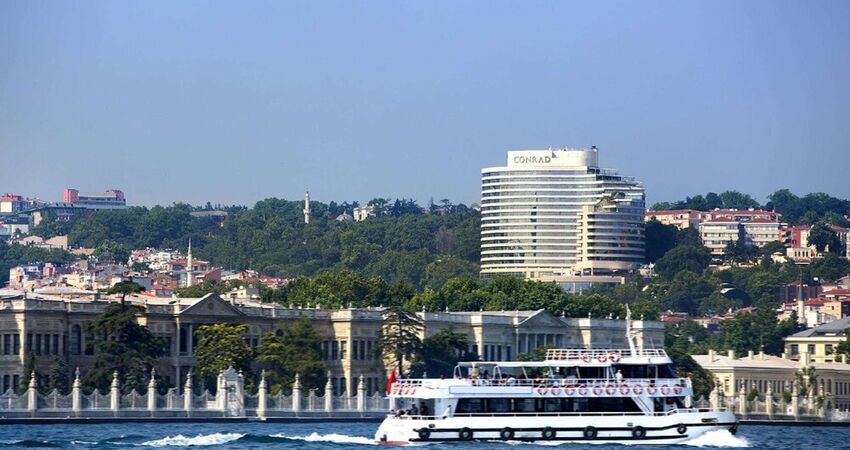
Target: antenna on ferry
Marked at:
630, 334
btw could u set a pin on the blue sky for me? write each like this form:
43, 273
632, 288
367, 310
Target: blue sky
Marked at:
233, 102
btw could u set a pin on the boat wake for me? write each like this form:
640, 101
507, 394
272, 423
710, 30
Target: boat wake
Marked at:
718, 438
224, 438
199, 440
332, 437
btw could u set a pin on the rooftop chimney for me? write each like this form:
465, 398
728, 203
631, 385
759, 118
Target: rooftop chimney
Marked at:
731, 354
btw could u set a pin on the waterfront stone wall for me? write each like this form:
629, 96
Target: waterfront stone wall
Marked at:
230, 401
794, 406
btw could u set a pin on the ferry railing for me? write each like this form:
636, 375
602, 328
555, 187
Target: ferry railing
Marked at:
602, 355
547, 382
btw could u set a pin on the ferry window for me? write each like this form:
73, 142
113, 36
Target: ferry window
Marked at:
524, 405
577, 405
666, 371
552, 405
469, 405
498, 405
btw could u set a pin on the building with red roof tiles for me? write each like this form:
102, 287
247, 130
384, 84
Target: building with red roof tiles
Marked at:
679, 218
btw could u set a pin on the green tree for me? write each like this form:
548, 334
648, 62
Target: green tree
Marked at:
686, 367
59, 375
400, 337
660, 239
293, 350
824, 239
125, 287
843, 347
29, 370
595, 305
772, 247
538, 354
121, 344
440, 353
831, 267
740, 251
684, 257
220, 346
737, 200
445, 268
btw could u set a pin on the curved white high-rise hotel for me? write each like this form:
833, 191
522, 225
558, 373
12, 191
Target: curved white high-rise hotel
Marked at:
551, 213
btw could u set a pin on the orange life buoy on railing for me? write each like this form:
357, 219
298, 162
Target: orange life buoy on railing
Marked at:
651, 390
677, 389
610, 389
586, 357
555, 390
602, 357
637, 389
597, 389
569, 390
624, 389
665, 389
582, 389
614, 356
541, 390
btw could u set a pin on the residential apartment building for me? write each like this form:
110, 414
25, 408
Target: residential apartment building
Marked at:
755, 227
556, 213
111, 199
718, 233
54, 326
679, 218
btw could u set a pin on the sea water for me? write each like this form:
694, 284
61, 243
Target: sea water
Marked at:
331, 436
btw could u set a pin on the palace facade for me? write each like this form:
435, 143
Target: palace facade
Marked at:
51, 326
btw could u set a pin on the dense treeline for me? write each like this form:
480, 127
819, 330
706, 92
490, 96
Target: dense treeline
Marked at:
808, 209
402, 243
466, 293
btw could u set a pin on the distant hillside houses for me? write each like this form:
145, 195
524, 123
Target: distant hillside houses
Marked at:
756, 227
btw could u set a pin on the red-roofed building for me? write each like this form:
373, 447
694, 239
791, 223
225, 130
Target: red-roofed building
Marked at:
756, 227
679, 218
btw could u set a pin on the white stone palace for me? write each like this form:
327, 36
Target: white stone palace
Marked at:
54, 326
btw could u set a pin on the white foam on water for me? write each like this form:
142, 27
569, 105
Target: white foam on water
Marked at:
199, 440
332, 437
717, 438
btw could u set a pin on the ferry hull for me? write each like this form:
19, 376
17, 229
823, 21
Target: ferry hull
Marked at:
638, 429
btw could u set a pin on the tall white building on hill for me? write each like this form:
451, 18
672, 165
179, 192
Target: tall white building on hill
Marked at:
555, 214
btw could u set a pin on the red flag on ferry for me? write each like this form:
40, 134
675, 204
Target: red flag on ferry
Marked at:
390, 381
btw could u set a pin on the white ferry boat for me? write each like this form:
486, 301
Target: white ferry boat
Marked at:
574, 395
